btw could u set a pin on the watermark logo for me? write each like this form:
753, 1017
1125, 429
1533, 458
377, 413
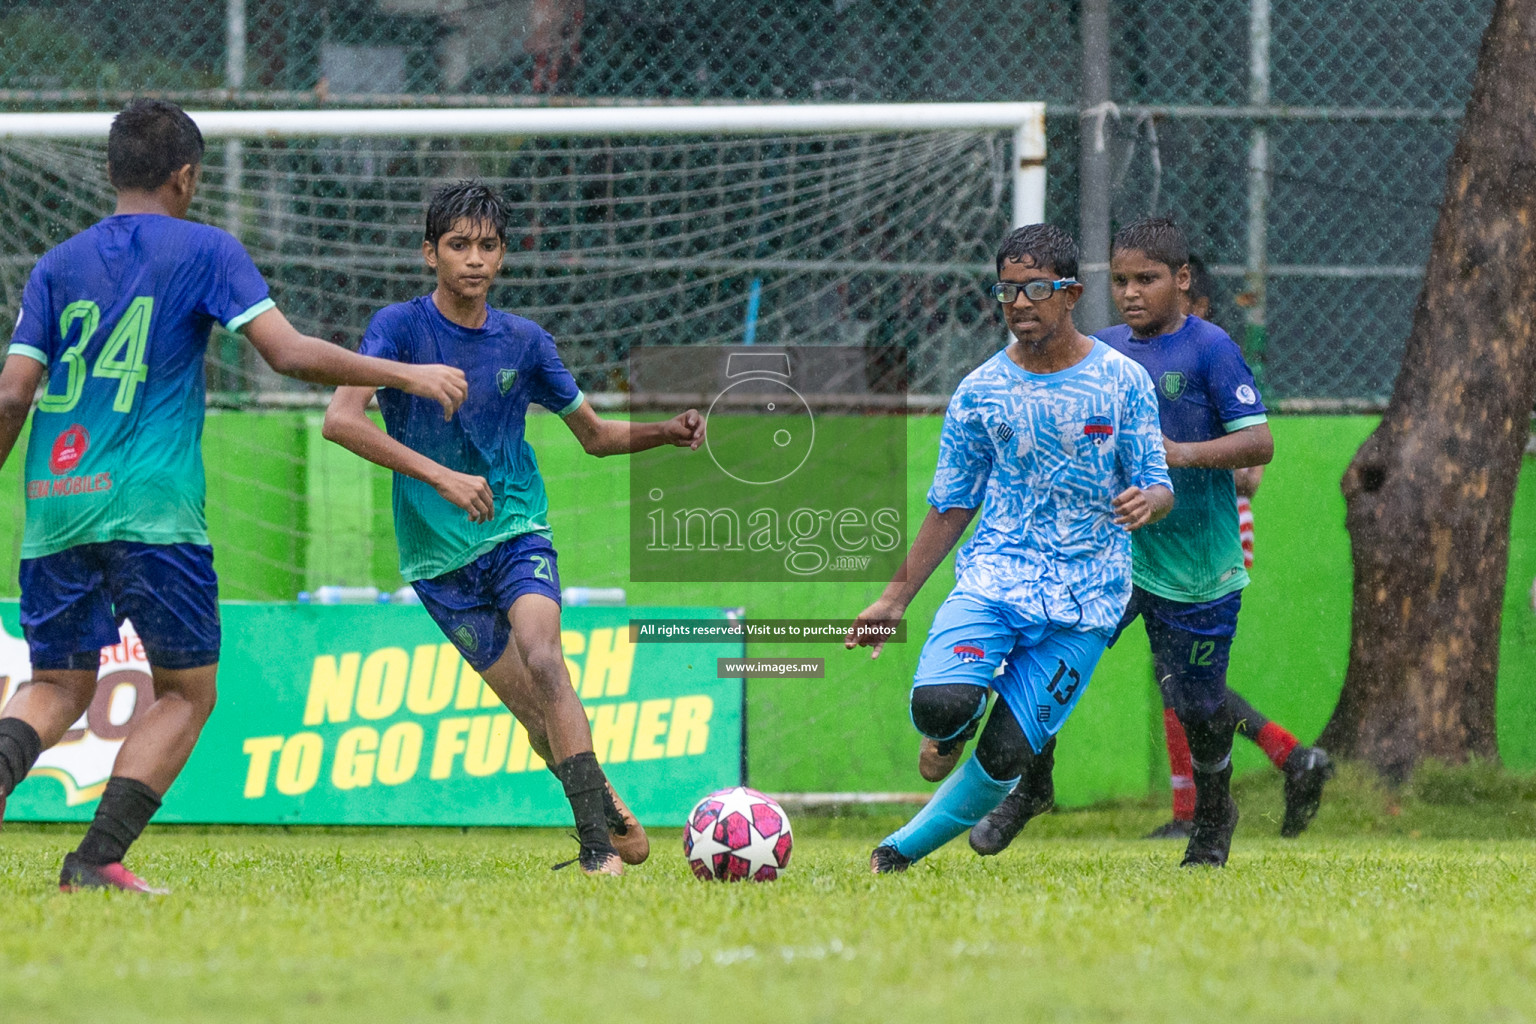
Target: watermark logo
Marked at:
802, 474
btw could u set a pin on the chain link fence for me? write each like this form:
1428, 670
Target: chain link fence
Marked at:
1302, 144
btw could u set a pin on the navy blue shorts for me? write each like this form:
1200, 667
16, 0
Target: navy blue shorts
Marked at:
73, 601
1191, 644
470, 603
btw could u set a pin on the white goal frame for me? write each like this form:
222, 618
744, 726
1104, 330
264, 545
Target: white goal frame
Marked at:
1026, 120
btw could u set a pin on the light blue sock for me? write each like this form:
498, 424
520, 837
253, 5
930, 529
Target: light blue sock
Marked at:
965, 798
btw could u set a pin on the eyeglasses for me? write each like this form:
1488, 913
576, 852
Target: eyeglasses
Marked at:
1007, 292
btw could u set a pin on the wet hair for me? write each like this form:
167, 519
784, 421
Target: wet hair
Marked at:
1158, 238
1045, 245
470, 200
149, 141
1201, 284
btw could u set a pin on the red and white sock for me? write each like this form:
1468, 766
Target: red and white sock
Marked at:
1181, 767
1245, 530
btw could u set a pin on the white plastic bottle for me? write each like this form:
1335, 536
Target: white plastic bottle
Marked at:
577, 597
346, 595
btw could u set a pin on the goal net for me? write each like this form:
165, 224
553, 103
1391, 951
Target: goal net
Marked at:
620, 238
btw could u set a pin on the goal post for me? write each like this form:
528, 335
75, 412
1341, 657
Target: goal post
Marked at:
850, 226
1027, 120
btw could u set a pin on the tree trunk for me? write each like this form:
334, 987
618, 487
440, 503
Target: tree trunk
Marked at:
1429, 493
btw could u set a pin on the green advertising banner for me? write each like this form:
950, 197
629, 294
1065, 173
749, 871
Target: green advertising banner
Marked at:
363, 715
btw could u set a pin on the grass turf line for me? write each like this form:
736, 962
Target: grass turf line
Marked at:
1357, 921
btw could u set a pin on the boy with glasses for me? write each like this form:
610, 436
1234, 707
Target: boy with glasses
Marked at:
1058, 436
1189, 572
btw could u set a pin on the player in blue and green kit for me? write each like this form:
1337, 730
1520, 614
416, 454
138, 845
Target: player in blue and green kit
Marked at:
116, 321
470, 507
1058, 436
1188, 569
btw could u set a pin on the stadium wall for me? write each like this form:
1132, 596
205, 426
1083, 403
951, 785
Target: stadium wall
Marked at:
288, 512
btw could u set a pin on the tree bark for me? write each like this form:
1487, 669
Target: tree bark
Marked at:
1429, 493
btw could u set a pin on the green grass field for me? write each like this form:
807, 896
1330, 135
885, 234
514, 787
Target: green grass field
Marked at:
1407, 907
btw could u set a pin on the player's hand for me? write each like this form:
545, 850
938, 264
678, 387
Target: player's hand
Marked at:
1133, 509
445, 385
1174, 452
470, 493
883, 613
685, 430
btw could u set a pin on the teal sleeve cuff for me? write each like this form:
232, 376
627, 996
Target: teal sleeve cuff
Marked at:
251, 314
575, 404
28, 351
1245, 421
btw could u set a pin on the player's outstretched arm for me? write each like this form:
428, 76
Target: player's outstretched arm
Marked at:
1250, 446
18, 385
935, 539
1135, 507
347, 424
619, 437
300, 356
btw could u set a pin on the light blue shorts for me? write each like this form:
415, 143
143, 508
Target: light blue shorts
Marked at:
1047, 667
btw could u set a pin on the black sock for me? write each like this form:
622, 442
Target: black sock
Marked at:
125, 808
1038, 776
19, 747
1250, 722
584, 784
1210, 747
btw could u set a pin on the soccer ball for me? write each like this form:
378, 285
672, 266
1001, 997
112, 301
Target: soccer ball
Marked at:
737, 834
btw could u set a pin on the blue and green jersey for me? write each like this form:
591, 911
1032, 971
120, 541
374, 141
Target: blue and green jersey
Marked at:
120, 315
1204, 391
510, 363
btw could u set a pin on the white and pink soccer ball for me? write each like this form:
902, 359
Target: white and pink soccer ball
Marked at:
737, 835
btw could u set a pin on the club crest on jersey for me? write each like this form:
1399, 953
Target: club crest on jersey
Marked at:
466, 637
1171, 384
504, 381
68, 447
1098, 429
967, 653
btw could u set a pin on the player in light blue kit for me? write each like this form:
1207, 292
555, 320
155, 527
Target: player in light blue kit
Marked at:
115, 322
1059, 436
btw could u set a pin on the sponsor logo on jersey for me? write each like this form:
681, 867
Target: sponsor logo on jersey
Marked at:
1246, 395
466, 637
1171, 384
504, 381
967, 653
69, 485
68, 447
1003, 433
1099, 429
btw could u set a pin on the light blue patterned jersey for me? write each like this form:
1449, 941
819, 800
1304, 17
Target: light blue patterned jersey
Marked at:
1048, 453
